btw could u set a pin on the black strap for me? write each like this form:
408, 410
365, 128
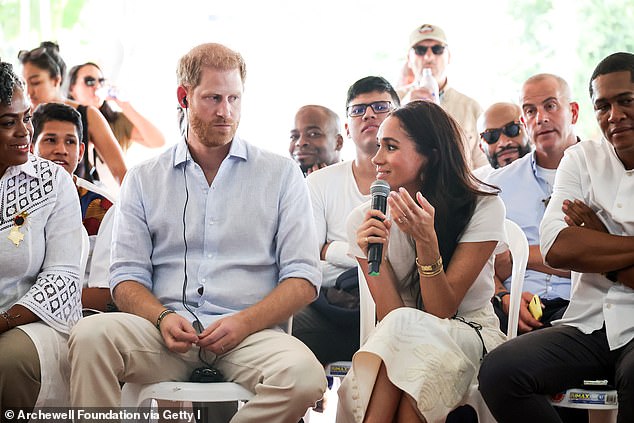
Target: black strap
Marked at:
478, 328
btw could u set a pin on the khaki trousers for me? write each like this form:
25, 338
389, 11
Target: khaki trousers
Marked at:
107, 348
19, 371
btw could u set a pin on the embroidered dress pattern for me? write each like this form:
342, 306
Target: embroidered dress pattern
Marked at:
55, 295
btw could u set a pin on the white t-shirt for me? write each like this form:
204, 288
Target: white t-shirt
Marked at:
334, 194
592, 172
486, 224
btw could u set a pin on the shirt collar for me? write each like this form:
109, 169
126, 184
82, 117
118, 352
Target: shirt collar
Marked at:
26, 167
238, 149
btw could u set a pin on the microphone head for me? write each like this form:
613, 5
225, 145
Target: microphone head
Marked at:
380, 187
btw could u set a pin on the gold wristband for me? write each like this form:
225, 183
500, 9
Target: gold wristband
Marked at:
162, 316
429, 270
8, 318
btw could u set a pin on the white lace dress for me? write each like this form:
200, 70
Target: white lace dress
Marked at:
40, 267
433, 360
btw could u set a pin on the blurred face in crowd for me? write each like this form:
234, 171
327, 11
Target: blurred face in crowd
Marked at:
502, 135
363, 129
315, 139
59, 142
88, 84
40, 86
15, 131
613, 100
437, 62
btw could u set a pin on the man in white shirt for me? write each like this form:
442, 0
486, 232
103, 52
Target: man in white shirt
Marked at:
588, 228
335, 191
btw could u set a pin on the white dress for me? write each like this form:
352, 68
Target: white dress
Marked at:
41, 272
433, 360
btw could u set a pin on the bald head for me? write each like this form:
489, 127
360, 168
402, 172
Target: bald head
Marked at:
316, 140
562, 85
502, 138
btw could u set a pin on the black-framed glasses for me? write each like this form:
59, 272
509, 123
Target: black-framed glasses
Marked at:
437, 49
24, 55
91, 82
378, 107
511, 130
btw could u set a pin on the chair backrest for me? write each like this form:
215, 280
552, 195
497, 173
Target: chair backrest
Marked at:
85, 250
518, 244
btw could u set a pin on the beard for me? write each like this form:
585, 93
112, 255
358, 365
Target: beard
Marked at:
208, 134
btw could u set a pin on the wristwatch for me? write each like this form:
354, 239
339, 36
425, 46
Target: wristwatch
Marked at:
499, 295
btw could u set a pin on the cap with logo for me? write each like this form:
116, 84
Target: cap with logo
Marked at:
427, 32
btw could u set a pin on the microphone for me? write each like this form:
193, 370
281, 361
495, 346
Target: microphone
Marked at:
379, 190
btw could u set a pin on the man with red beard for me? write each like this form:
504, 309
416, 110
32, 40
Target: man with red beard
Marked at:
548, 115
502, 136
211, 253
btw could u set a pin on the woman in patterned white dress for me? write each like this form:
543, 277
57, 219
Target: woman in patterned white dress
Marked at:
40, 253
440, 235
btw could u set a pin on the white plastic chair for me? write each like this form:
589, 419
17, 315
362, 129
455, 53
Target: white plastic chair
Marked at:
519, 250
136, 395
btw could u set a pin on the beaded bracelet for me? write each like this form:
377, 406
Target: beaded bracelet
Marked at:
429, 270
162, 316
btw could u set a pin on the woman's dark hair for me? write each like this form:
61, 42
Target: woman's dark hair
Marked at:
45, 57
446, 182
9, 81
105, 109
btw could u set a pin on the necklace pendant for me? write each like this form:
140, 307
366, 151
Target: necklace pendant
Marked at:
16, 236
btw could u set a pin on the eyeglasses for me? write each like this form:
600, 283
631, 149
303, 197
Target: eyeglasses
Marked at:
24, 55
511, 130
91, 82
437, 49
378, 107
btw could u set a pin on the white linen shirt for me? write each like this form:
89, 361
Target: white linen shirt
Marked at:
592, 172
240, 237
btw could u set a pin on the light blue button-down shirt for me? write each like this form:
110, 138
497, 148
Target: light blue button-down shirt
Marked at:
248, 231
526, 196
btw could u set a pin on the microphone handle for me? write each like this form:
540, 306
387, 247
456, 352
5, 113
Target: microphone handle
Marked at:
375, 253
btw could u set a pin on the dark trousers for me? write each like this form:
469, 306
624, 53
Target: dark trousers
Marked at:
515, 377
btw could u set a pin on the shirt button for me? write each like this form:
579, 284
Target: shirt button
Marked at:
619, 205
211, 222
203, 280
208, 255
608, 306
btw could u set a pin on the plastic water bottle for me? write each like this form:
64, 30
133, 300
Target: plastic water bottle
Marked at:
428, 81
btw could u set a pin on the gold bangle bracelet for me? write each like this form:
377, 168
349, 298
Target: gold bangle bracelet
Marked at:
429, 270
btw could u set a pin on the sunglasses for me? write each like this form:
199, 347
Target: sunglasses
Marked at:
91, 82
437, 49
511, 130
378, 107
23, 55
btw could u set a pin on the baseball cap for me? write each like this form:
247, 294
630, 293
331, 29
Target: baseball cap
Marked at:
427, 32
